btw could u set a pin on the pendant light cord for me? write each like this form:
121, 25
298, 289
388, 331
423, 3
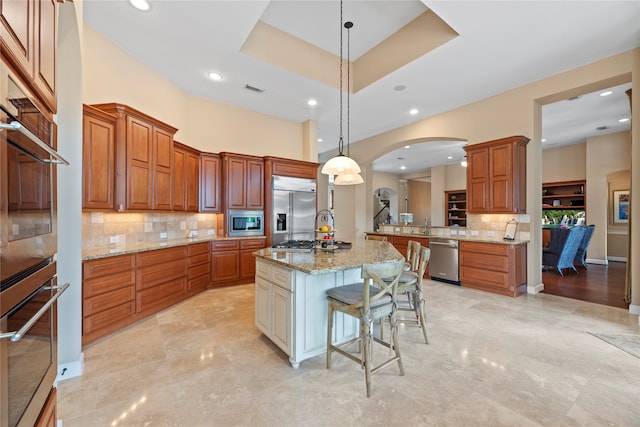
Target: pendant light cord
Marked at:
340, 138
348, 26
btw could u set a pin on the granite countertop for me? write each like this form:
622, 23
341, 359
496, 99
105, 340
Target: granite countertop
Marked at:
319, 261
131, 248
456, 237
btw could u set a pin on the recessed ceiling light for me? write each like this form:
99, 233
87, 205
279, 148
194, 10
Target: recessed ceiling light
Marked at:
543, 140
403, 167
140, 4
407, 146
625, 119
450, 157
606, 93
319, 139
312, 102
216, 76
413, 111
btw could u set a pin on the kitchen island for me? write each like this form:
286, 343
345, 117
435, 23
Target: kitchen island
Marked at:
291, 302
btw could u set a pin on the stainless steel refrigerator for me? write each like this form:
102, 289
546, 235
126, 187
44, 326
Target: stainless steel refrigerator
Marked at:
294, 209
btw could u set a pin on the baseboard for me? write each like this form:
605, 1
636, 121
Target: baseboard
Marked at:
71, 370
634, 309
597, 261
535, 289
617, 258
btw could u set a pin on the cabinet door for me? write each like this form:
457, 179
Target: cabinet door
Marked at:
192, 175
500, 178
236, 183
179, 180
48, 415
255, 184
44, 76
209, 183
263, 306
225, 266
247, 264
16, 33
162, 167
98, 150
139, 167
478, 180
282, 306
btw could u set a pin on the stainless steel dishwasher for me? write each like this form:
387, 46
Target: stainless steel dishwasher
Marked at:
443, 264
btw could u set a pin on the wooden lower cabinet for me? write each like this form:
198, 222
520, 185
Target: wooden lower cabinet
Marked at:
198, 267
108, 295
232, 262
161, 279
401, 243
122, 289
494, 267
49, 415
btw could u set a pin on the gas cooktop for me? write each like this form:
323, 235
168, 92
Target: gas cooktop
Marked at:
295, 244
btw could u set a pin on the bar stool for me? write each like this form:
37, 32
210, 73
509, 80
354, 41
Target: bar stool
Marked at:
410, 284
368, 301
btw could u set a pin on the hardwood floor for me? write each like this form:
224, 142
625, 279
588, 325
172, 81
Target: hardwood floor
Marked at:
600, 284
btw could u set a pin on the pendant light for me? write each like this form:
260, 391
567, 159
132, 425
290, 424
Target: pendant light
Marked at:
341, 164
348, 178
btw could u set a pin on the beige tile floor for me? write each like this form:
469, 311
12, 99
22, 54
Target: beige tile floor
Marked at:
491, 361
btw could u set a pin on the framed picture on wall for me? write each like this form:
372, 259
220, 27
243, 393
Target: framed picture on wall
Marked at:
621, 206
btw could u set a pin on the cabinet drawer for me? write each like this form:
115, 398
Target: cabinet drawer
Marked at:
107, 317
104, 266
282, 277
198, 248
198, 259
225, 245
161, 296
485, 248
108, 283
263, 270
252, 244
198, 284
150, 276
484, 277
484, 261
106, 301
198, 270
161, 256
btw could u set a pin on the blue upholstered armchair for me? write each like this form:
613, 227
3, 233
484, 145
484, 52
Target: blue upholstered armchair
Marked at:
563, 248
582, 250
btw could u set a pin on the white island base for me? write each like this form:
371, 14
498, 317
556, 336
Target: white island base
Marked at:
291, 309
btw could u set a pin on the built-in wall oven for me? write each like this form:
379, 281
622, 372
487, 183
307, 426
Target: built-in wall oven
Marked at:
28, 244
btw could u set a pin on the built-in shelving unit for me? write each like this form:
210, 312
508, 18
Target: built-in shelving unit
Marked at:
565, 195
456, 208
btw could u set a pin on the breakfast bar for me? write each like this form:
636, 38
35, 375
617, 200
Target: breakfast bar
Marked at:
291, 304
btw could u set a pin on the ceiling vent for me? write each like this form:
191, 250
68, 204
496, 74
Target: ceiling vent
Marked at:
253, 88
573, 98
602, 128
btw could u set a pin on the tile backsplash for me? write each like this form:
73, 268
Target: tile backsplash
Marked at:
100, 229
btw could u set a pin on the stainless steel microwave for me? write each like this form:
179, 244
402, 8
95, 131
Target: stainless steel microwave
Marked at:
246, 223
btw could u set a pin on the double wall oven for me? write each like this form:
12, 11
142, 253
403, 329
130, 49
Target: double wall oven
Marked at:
28, 244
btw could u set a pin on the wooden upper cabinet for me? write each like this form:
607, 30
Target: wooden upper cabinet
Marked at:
186, 167
496, 176
209, 182
162, 169
144, 159
28, 40
44, 76
289, 167
243, 180
98, 158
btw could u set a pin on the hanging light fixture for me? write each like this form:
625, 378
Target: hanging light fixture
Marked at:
348, 178
341, 164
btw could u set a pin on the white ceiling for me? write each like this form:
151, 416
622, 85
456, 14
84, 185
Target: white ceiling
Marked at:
502, 45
